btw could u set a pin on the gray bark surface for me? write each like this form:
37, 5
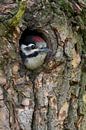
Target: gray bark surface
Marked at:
54, 96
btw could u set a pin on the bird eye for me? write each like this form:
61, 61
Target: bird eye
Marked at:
33, 46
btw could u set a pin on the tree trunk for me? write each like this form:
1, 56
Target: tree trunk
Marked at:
52, 97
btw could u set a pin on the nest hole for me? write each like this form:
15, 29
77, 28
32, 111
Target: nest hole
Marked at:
36, 32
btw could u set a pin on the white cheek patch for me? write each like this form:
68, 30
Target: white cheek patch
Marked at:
27, 52
23, 47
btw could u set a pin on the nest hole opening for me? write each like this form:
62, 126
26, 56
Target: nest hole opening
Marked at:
35, 32
24, 39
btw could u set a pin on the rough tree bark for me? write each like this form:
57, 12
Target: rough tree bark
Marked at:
53, 97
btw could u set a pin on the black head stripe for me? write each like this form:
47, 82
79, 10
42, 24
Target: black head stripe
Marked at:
23, 56
33, 54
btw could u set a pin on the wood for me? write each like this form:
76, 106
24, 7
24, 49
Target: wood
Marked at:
54, 96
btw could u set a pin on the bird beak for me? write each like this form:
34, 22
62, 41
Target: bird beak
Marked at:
47, 50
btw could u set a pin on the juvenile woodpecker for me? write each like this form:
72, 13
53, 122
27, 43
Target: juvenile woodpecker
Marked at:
33, 51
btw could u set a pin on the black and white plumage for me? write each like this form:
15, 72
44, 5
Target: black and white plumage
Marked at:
33, 51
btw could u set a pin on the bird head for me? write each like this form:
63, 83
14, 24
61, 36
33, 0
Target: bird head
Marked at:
34, 51
34, 45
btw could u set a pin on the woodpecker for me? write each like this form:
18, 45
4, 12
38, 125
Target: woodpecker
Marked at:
33, 51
